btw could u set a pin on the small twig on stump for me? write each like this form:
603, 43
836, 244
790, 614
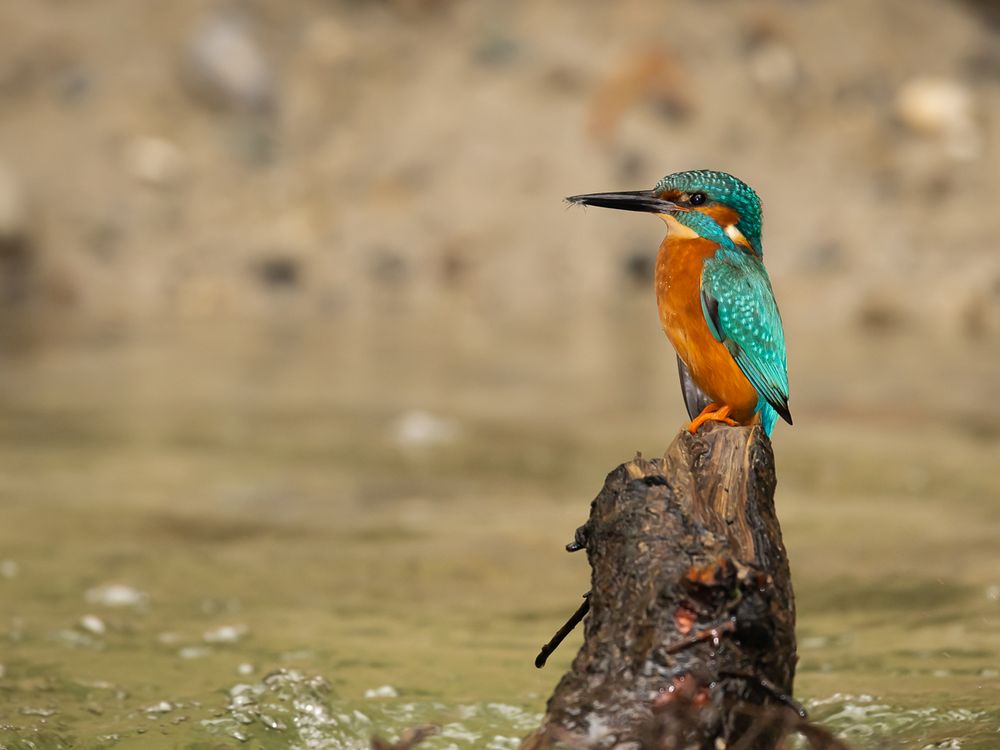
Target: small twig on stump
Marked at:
712, 634
572, 622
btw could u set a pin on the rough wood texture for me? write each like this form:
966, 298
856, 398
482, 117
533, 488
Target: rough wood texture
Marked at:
690, 640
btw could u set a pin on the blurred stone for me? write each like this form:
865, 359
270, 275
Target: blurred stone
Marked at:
988, 10
255, 141
93, 624
225, 634
823, 257
43, 711
981, 314
116, 595
455, 265
213, 605
226, 67
942, 108
203, 296
271, 722
329, 42
497, 49
639, 267
13, 207
772, 62
419, 428
933, 105
279, 272
160, 707
653, 75
74, 84
388, 267
154, 161
105, 238
74, 638
194, 652
9, 569
879, 314
565, 79
860, 92
774, 66
384, 691
631, 165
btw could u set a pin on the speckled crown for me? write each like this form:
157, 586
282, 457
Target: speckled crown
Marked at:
722, 187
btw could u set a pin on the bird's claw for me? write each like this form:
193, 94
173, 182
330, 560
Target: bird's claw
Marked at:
712, 413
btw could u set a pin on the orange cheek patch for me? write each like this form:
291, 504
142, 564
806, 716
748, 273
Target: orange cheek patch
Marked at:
727, 218
723, 215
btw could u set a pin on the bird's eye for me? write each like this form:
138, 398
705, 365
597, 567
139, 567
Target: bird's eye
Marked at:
697, 199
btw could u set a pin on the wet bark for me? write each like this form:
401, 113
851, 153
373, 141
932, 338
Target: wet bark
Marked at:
690, 637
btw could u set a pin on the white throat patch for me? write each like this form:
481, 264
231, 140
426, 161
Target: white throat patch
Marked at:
677, 230
681, 232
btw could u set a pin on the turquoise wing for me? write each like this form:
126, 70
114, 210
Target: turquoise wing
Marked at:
740, 310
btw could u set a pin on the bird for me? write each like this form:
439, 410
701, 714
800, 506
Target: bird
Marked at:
714, 296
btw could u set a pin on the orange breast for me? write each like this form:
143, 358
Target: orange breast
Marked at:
678, 297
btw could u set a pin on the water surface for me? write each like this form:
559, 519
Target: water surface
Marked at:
284, 536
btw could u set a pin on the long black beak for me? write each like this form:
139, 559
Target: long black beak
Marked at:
636, 200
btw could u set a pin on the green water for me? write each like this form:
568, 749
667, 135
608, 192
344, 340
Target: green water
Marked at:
298, 537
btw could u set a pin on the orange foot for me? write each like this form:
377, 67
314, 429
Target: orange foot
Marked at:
711, 413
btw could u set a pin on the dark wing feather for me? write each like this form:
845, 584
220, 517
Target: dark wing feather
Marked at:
694, 397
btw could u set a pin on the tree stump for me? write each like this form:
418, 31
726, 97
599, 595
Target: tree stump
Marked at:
690, 638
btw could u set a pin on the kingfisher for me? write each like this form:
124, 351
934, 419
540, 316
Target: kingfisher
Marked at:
714, 297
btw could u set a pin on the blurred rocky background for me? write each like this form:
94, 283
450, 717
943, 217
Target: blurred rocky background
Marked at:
334, 160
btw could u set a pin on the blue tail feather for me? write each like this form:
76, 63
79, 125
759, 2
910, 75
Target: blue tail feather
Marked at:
768, 416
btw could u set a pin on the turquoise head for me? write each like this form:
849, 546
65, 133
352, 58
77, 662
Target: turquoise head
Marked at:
728, 201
